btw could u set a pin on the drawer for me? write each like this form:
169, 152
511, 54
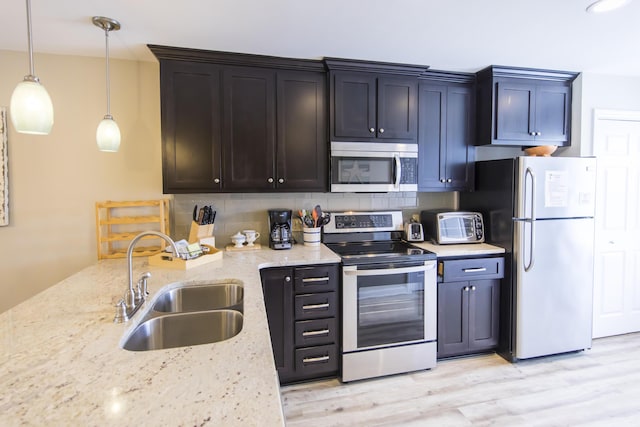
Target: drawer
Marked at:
321, 278
316, 361
315, 306
315, 332
471, 269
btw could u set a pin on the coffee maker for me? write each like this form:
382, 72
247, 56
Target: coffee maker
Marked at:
280, 236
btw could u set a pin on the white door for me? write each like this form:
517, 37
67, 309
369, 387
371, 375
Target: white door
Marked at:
617, 235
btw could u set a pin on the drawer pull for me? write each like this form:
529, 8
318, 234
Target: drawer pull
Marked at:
318, 359
315, 306
315, 333
474, 270
315, 279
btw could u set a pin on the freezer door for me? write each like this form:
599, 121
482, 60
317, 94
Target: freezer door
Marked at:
554, 286
555, 187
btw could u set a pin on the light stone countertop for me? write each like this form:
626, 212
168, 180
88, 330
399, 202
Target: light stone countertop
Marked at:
61, 362
469, 249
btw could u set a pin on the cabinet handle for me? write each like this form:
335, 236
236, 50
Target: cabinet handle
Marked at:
287, 278
315, 359
315, 306
474, 270
217, 180
473, 288
280, 180
372, 130
315, 333
538, 133
466, 289
532, 133
270, 180
381, 130
315, 279
449, 180
442, 180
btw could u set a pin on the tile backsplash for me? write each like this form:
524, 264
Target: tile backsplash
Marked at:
237, 212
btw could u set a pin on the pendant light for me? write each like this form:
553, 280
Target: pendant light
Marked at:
108, 133
31, 107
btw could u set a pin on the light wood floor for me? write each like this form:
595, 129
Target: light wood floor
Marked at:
596, 387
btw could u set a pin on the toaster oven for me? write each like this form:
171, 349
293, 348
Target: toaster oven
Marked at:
452, 227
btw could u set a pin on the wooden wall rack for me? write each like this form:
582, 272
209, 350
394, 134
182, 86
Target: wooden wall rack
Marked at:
117, 223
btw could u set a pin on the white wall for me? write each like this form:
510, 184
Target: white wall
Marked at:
55, 180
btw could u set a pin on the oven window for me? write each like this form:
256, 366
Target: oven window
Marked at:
390, 309
457, 227
362, 170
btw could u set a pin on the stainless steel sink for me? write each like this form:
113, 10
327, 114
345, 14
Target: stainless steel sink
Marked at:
185, 329
200, 297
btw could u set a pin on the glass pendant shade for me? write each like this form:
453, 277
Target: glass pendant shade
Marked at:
108, 135
31, 108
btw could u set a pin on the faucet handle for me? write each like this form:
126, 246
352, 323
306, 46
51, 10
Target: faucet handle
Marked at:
142, 284
121, 312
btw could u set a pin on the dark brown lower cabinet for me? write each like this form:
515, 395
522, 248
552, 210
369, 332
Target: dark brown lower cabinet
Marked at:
468, 310
302, 311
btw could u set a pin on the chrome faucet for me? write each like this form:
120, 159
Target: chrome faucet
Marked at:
134, 298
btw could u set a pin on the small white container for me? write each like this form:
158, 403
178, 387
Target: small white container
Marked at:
311, 236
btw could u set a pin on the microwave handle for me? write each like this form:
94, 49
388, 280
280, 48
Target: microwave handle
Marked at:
396, 184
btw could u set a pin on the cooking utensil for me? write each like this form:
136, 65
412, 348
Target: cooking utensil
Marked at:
314, 214
318, 211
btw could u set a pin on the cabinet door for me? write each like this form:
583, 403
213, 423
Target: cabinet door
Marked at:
191, 127
277, 286
552, 114
515, 111
354, 105
484, 301
446, 129
249, 131
460, 130
302, 142
397, 109
432, 134
453, 318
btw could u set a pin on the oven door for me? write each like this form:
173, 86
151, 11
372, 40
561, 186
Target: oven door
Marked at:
388, 305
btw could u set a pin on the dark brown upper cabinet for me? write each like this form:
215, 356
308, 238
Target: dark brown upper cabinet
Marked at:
191, 117
241, 123
373, 101
446, 131
524, 106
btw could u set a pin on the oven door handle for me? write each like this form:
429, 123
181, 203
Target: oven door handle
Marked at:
389, 270
396, 184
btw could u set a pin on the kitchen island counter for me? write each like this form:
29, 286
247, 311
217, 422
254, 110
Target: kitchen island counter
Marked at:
61, 361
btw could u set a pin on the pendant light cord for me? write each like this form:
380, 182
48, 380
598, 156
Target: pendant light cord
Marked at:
106, 33
32, 73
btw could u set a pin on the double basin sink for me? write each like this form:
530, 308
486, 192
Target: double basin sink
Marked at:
189, 314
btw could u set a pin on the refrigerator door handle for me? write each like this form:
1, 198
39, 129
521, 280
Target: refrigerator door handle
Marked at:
532, 199
532, 220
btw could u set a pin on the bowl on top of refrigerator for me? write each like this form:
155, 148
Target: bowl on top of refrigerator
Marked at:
541, 150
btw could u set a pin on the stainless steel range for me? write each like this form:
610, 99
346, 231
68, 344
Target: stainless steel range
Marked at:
388, 296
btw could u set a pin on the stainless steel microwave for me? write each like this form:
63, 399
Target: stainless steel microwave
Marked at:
450, 227
372, 167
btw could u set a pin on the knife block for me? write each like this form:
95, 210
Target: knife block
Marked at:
198, 232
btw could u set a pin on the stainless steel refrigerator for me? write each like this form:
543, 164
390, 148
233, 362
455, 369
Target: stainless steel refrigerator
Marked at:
540, 209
